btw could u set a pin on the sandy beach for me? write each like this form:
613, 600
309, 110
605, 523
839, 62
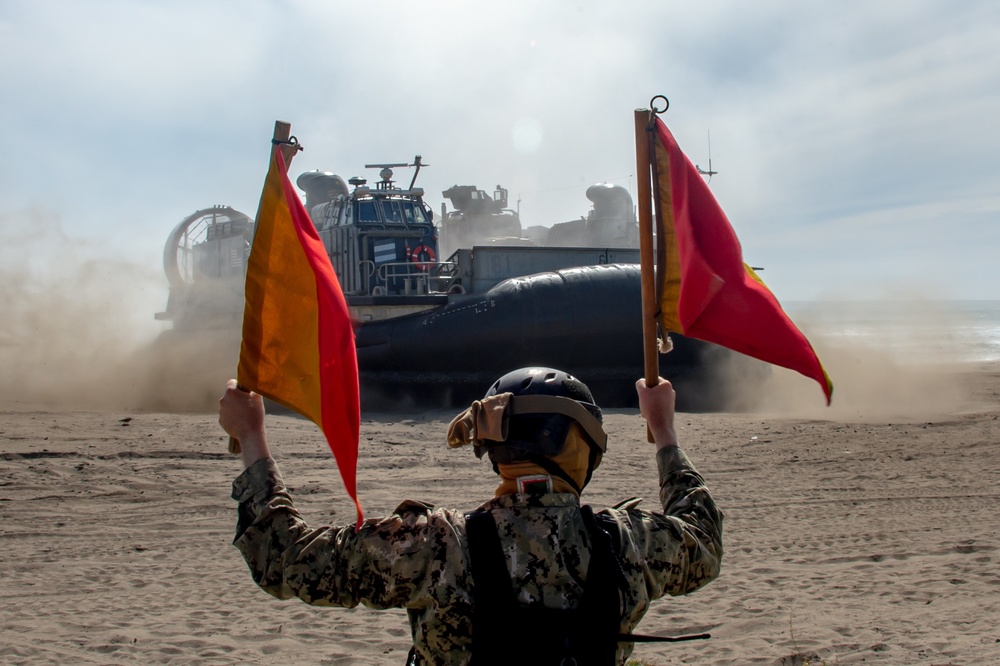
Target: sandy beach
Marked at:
866, 533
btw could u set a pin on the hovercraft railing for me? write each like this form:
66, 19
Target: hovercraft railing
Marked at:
404, 278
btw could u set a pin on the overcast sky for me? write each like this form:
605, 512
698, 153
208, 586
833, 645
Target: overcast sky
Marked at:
855, 141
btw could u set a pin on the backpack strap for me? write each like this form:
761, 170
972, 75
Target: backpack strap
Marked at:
494, 603
606, 580
490, 578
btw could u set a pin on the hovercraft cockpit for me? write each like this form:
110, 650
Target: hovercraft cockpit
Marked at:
382, 240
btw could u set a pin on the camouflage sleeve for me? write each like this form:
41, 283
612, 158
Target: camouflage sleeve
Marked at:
389, 563
679, 550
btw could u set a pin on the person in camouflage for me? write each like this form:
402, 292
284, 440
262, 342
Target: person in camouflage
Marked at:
418, 557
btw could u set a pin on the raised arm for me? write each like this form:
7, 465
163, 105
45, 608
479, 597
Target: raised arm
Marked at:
678, 550
387, 563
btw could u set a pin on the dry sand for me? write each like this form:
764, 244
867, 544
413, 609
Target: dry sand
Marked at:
864, 534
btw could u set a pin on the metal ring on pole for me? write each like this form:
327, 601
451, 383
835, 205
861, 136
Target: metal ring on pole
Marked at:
652, 104
290, 141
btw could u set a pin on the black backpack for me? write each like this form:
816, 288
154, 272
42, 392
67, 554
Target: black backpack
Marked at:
507, 632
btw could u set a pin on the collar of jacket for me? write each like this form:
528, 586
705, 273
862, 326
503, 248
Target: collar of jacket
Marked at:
551, 500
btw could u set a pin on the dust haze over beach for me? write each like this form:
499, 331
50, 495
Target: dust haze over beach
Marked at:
907, 367
78, 332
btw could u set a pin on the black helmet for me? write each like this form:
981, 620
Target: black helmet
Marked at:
535, 431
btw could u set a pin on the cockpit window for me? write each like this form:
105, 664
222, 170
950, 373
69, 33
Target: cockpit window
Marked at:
367, 212
403, 212
393, 212
415, 214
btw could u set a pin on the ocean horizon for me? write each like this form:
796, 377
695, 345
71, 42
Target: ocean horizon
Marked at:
911, 330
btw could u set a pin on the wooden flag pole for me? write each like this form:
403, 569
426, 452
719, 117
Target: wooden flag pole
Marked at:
644, 196
281, 139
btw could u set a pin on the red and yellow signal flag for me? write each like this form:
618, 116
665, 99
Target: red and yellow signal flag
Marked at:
298, 338
703, 288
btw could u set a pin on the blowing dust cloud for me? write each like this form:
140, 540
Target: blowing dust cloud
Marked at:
902, 365
78, 329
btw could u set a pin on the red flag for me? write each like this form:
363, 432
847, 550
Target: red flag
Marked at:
298, 341
705, 290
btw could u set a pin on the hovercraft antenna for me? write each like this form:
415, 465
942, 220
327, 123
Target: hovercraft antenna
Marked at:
708, 173
386, 172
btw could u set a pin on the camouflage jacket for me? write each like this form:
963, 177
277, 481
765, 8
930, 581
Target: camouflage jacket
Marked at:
417, 557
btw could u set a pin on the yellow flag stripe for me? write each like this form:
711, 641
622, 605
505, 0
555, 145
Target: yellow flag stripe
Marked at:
670, 285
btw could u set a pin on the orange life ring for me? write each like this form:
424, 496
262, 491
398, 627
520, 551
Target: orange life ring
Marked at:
422, 257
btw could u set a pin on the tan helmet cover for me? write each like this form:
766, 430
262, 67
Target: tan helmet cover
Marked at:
484, 420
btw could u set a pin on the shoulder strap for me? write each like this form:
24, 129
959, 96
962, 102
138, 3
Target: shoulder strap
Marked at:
493, 592
602, 598
489, 568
